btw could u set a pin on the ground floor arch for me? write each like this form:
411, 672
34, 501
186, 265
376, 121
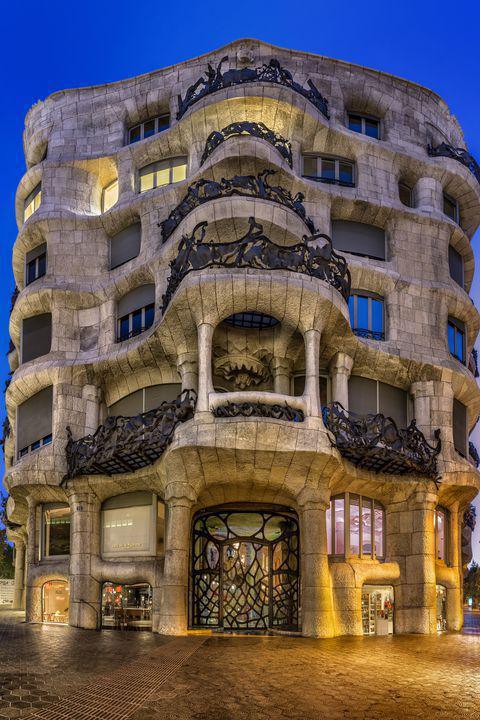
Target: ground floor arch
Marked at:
55, 602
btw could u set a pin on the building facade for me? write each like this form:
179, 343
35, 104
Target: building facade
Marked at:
243, 381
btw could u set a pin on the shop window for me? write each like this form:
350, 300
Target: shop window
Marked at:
366, 315
127, 607
441, 608
109, 196
135, 312
355, 526
377, 610
164, 172
460, 427
125, 245
329, 170
148, 128
32, 202
55, 601
365, 125
34, 422
35, 263
441, 519
405, 193
450, 208
359, 239
456, 267
456, 339
129, 525
369, 397
55, 530
36, 336
148, 398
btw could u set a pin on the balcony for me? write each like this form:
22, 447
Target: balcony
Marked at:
249, 129
473, 454
374, 442
314, 256
460, 154
125, 444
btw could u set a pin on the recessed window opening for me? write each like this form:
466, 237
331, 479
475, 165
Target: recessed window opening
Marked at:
32, 202
456, 338
355, 526
36, 263
365, 125
367, 315
329, 170
164, 172
450, 208
253, 320
148, 128
135, 322
109, 196
405, 193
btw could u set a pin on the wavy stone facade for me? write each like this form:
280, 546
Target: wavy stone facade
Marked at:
242, 448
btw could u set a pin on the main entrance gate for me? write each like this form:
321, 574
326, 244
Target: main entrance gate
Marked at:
245, 570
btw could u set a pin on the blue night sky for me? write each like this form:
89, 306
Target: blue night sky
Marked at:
49, 46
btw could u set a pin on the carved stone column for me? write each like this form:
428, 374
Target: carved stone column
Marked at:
85, 601
282, 368
317, 602
173, 616
205, 381
312, 384
187, 365
340, 370
428, 195
454, 593
433, 408
18, 588
33, 606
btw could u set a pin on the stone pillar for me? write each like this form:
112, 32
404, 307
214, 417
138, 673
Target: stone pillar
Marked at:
312, 384
173, 615
340, 369
282, 368
317, 602
411, 542
205, 381
33, 605
85, 600
433, 408
91, 396
187, 365
18, 589
454, 593
428, 195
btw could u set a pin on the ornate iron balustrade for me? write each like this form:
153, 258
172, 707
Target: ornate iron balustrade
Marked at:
255, 186
375, 443
460, 154
330, 181
253, 409
369, 334
469, 521
273, 72
473, 363
255, 250
125, 444
473, 453
259, 130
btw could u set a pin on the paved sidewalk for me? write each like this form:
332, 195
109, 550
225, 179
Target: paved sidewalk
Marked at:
62, 673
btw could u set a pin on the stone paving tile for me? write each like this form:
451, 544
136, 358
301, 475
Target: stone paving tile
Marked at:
236, 678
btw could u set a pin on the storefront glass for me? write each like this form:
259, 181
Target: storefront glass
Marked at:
55, 601
56, 530
441, 608
377, 609
132, 525
127, 607
360, 516
440, 533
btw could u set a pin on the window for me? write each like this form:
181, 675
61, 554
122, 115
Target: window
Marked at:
163, 172
136, 312
450, 208
329, 170
365, 125
148, 128
109, 196
358, 239
441, 534
406, 194
460, 430
35, 263
125, 245
366, 315
252, 320
129, 525
55, 601
355, 526
32, 202
36, 336
148, 398
455, 264
298, 387
456, 338
369, 397
34, 422
55, 530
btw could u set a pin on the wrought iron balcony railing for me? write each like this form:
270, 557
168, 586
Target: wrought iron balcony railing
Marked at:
369, 334
125, 444
473, 363
253, 129
375, 443
460, 154
314, 256
258, 409
473, 453
255, 186
274, 72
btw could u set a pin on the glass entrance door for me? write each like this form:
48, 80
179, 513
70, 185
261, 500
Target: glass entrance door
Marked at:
246, 571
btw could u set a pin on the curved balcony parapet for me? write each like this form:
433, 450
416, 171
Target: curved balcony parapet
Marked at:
254, 186
125, 444
460, 154
258, 403
374, 442
273, 72
254, 129
313, 256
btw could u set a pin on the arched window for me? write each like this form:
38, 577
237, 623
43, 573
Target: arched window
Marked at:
55, 601
109, 196
163, 172
148, 128
32, 202
135, 312
125, 245
367, 314
355, 526
405, 193
35, 263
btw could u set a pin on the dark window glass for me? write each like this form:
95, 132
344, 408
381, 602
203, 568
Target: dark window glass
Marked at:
328, 169
366, 316
56, 531
31, 271
124, 327
135, 134
310, 166
137, 322
149, 315
36, 268
455, 262
372, 128
377, 316
405, 194
255, 320
460, 427
148, 128
456, 339
346, 173
362, 313
42, 265
163, 123
450, 208
355, 123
